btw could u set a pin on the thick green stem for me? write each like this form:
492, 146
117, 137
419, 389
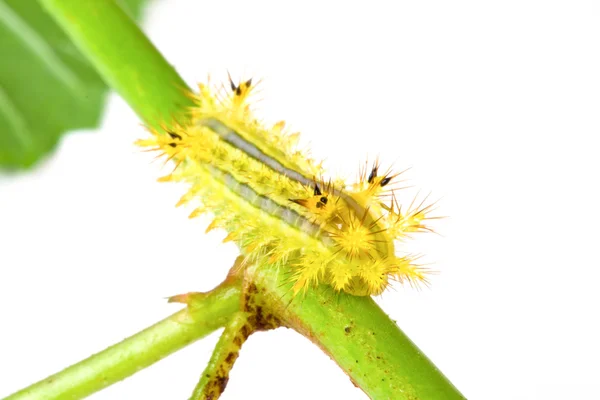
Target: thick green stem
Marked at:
124, 57
377, 356
138, 351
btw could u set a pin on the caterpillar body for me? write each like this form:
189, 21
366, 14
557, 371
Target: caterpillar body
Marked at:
275, 203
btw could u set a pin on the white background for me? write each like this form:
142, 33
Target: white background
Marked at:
494, 105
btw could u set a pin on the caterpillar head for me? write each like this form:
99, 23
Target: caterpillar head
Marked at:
365, 232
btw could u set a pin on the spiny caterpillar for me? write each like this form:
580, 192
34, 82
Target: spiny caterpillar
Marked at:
275, 204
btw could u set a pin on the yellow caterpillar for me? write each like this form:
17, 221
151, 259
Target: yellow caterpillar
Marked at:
276, 205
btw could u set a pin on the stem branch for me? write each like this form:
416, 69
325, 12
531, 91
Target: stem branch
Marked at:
140, 350
216, 374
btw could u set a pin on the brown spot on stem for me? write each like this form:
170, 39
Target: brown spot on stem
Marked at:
231, 358
222, 383
260, 319
245, 331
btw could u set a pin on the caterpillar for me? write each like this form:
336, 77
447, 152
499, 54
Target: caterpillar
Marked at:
276, 204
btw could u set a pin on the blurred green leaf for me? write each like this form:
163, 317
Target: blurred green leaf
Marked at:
47, 87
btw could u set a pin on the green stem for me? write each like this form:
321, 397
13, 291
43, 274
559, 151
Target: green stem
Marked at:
360, 337
138, 351
216, 374
124, 57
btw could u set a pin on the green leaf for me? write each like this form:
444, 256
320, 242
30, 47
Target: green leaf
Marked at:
47, 87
